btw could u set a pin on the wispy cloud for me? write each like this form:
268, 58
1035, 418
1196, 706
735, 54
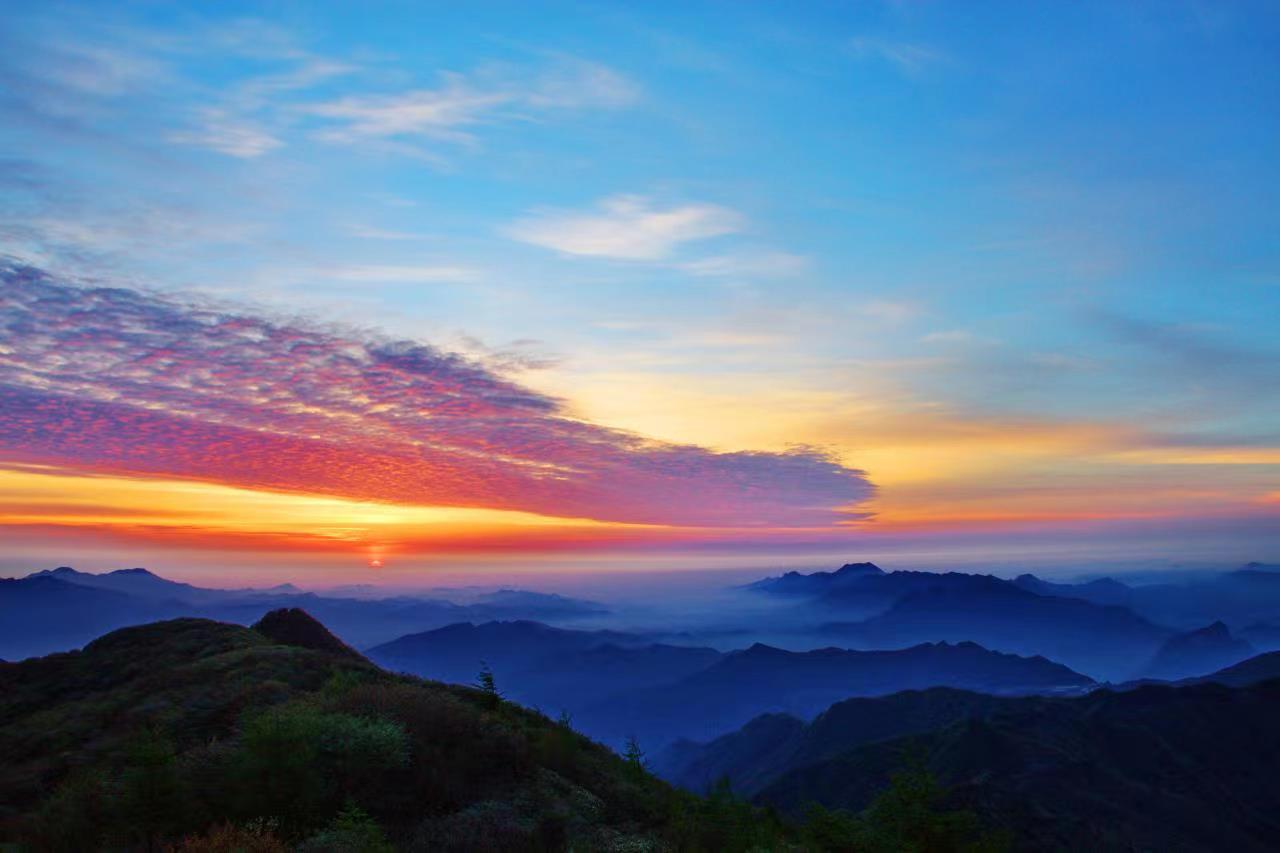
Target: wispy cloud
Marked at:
908, 57
115, 381
626, 227
748, 265
461, 102
227, 133
401, 274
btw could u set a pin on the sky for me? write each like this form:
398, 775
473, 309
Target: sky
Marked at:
411, 290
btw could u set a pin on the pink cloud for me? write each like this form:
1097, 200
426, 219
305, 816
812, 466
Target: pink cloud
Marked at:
126, 382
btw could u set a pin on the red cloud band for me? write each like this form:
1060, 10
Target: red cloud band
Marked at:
114, 380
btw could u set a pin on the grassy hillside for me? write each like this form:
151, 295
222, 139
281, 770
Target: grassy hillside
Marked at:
199, 736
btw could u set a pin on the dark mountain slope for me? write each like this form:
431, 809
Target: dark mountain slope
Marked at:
1157, 768
294, 627
768, 747
763, 679
1256, 669
156, 731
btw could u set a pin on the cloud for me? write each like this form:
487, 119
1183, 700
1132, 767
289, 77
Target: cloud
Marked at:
461, 102
221, 131
908, 57
748, 265
426, 274
115, 381
626, 227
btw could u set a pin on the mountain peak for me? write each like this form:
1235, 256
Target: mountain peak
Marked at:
855, 569
135, 572
293, 626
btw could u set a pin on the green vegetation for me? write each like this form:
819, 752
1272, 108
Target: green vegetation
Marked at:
201, 737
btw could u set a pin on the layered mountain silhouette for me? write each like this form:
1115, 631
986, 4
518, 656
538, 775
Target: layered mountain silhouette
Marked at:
541, 666
1157, 768
1197, 653
1103, 641
763, 679
62, 609
1152, 768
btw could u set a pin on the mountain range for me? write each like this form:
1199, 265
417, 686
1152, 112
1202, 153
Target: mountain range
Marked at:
1102, 627
1148, 768
62, 609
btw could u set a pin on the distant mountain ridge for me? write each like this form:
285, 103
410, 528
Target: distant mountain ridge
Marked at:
762, 679
1196, 653
62, 609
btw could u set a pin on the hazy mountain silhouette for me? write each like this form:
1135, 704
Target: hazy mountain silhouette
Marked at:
538, 665
1197, 653
43, 614
1100, 591
61, 609
761, 679
815, 583
1102, 641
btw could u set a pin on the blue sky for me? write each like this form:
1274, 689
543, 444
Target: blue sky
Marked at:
999, 255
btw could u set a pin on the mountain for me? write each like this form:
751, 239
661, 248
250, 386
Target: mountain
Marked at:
1156, 768
541, 666
196, 735
1196, 653
1256, 669
773, 744
1106, 591
1105, 642
294, 627
763, 679
175, 728
73, 607
44, 613
139, 582
815, 583
1246, 596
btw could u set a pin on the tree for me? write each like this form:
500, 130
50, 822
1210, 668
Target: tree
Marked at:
488, 686
634, 756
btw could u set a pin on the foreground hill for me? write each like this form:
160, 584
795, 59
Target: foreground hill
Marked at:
196, 736
156, 731
1156, 768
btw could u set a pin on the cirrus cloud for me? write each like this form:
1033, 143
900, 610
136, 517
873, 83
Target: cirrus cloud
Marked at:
626, 227
118, 381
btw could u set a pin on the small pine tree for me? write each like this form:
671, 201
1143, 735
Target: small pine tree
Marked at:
488, 686
634, 756
565, 719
